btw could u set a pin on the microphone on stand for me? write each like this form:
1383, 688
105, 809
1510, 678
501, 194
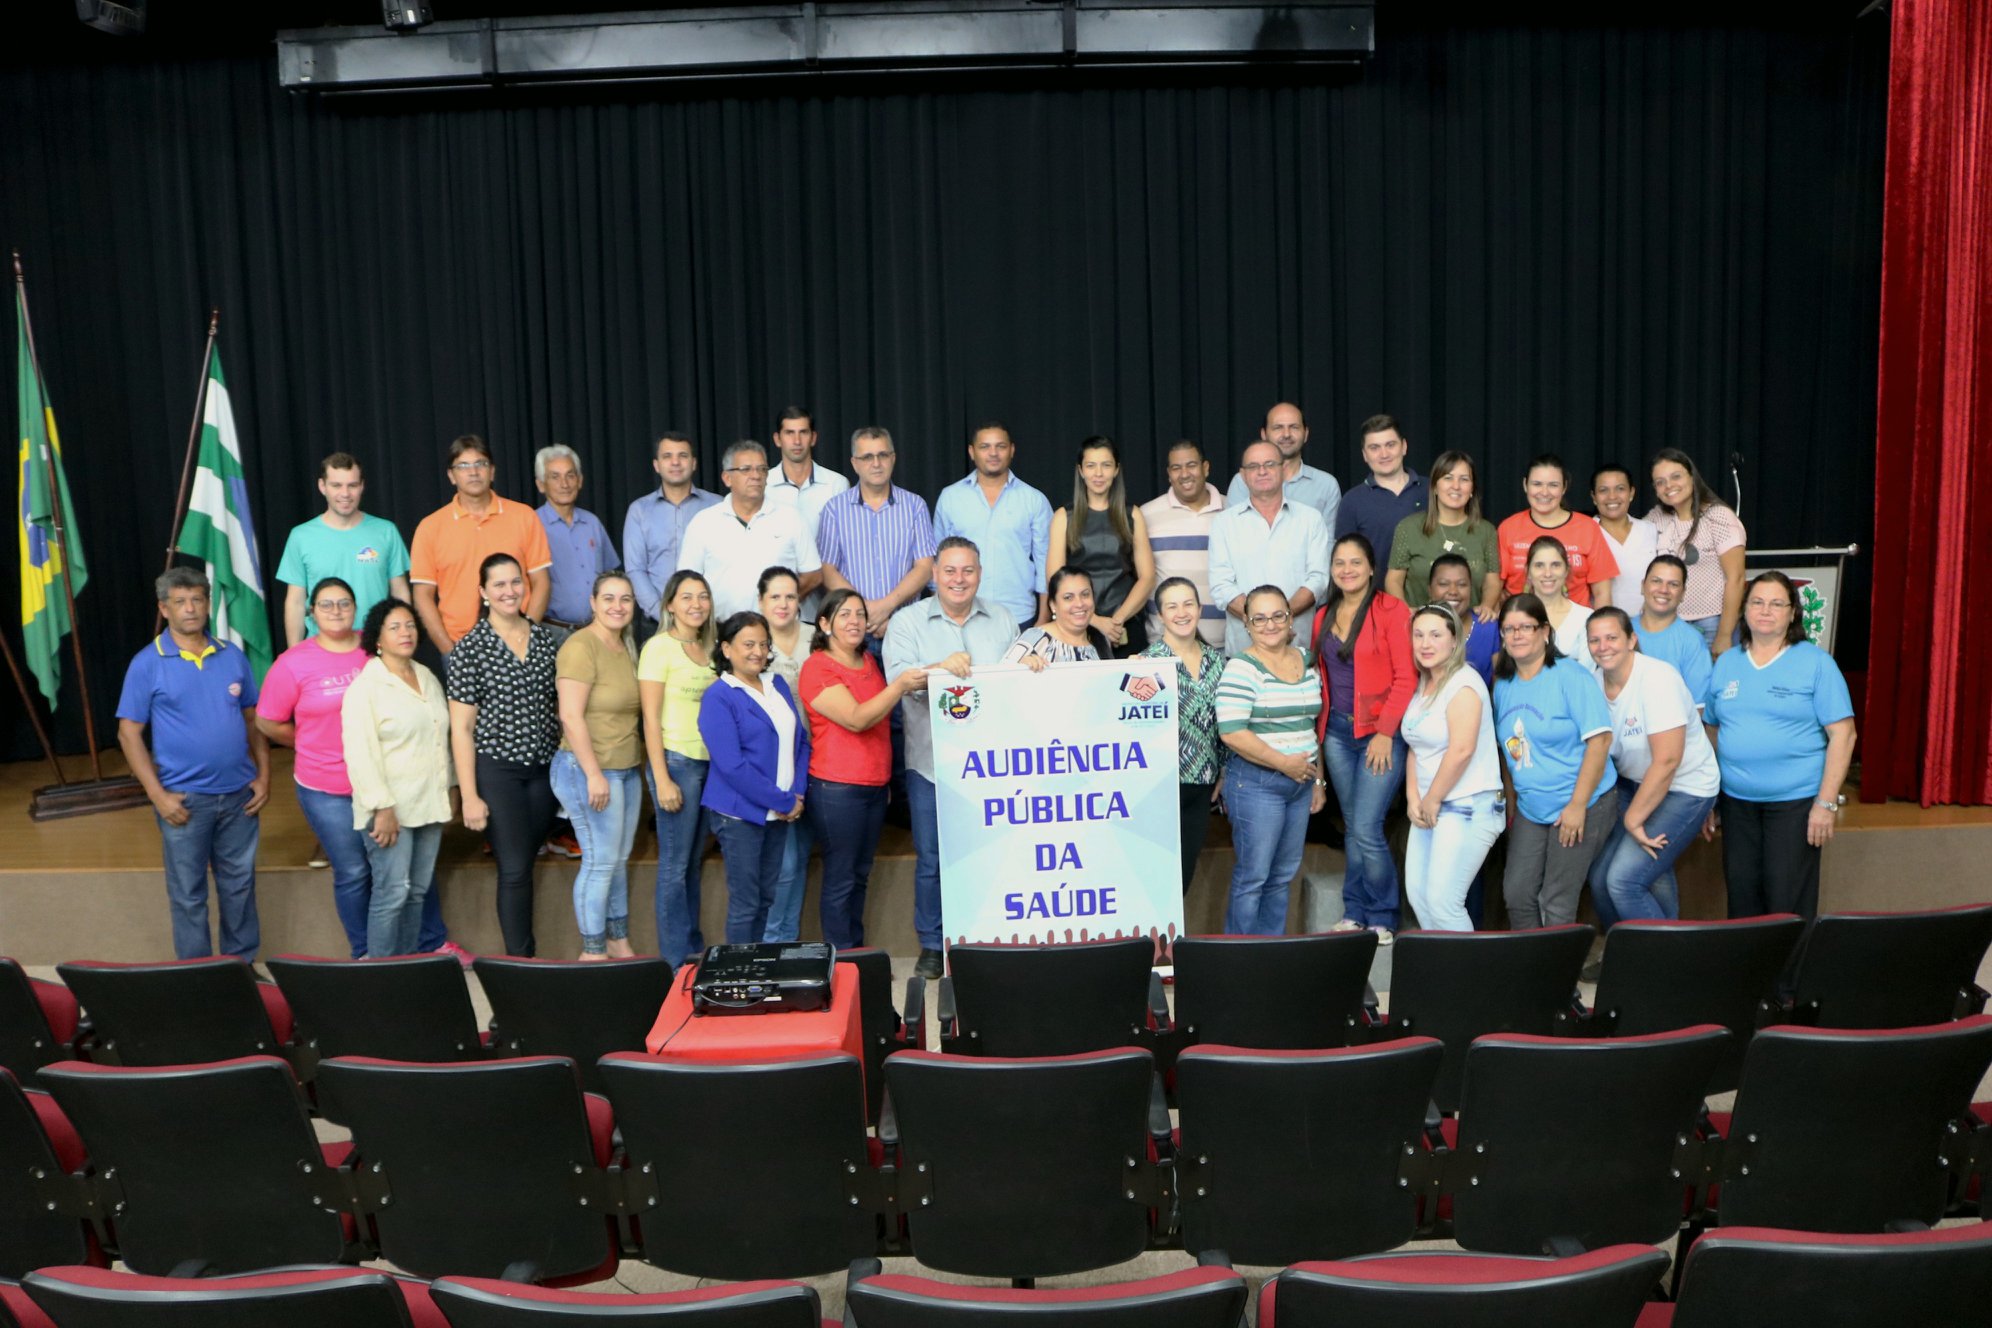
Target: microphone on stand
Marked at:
1736, 478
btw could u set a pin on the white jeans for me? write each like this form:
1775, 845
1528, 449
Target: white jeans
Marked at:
1440, 863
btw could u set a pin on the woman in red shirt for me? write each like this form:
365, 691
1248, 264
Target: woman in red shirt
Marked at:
849, 704
1367, 677
1592, 565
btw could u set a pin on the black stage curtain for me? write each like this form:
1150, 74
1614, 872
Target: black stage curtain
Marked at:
1517, 228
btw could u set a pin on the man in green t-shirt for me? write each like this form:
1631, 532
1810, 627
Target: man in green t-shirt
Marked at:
364, 551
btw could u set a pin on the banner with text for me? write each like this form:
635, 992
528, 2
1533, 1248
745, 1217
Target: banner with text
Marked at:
1057, 799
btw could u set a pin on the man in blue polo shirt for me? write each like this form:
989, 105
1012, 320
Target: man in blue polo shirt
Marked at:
207, 770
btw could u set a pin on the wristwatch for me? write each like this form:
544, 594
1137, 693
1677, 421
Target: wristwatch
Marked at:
1830, 804
1321, 783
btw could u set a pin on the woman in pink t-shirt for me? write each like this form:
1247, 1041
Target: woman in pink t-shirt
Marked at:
849, 704
299, 708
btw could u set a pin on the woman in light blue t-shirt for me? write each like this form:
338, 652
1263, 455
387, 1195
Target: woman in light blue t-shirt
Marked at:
1784, 737
1555, 734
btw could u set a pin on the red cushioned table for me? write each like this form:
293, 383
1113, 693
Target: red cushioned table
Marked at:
679, 1035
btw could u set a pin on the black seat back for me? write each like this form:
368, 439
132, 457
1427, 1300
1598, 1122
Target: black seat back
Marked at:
298, 1298
176, 1013
1050, 1000
883, 1029
34, 1137
583, 1011
1754, 1278
787, 1136
1457, 986
1890, 970
1603, 1289
485, 1163
1195, 1298
1665, 975
1020, 1168
1577, 1138
475, 1302
1291, 1155
409, 1008
27, 1042
1272, 991
1838, 1130
214, 1162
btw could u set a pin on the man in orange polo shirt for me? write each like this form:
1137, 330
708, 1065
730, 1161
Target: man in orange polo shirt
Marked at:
452, 543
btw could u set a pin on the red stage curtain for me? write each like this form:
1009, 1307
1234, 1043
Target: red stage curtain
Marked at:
1928, 724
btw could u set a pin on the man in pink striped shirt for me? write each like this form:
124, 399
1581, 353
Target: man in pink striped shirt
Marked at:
1179, 532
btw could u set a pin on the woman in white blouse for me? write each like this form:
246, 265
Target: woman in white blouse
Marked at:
1452, 776
396, 725
1549, 579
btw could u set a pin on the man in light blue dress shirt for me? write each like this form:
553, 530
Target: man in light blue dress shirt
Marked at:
1267, 540
655, 526
1286, 429
1009, 521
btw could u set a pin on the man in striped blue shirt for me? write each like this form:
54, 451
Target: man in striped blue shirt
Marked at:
877, 538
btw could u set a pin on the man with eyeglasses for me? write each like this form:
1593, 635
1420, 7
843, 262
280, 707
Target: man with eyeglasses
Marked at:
1286, 429
364, 551
732, 542
877, 538
452, 543
1269, 539
1179, 532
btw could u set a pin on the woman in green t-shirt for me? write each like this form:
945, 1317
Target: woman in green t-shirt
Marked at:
1450, 523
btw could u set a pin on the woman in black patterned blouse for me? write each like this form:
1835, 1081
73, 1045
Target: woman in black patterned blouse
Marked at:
505, 728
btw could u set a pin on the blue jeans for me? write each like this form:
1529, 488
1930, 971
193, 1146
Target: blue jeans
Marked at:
925, 824
1440, 864
404, 875
1268, 815
601, 885
219, 835
330, 816
1369, 883
681, 838
785, 909
752, 851
848, 819
1626, 881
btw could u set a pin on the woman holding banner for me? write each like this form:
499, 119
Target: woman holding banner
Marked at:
1200, 761
1070, 636
1267, 703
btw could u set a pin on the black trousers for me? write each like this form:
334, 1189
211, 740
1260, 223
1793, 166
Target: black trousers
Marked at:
1771, 869
1193, 825
520, 797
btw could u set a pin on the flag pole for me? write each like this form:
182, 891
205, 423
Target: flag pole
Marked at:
28, 707
193, 442
61, 535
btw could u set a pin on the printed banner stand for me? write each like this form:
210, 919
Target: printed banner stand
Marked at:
1056, 794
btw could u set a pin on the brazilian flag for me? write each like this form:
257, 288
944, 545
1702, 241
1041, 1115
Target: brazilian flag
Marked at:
44, 612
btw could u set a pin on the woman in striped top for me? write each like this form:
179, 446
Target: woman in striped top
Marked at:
1267, 704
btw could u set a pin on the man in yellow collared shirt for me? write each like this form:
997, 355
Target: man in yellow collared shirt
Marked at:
452, 543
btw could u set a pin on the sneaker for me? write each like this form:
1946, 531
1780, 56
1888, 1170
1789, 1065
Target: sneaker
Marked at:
317, 858
1384, 936
1592, 971
930, 965
566, 846
1347, 924
456, 952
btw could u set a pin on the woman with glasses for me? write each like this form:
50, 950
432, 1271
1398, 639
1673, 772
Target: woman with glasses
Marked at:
1199, 670
1556, 737
1070, 636
1364, 640
1784, 737
299, 707
1705, 534
1105, 538
1268, 702
1452, 777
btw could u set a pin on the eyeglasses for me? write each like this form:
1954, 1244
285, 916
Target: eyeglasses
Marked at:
746, 470
1260, 466
1521, 629
871, 458
1775, 605
332, 605
468, 466
1270, 619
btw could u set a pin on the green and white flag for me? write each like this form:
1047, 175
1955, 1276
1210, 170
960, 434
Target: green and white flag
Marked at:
219, 531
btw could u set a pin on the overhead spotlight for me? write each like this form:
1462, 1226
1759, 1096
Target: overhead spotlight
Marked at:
125, 19
402, 17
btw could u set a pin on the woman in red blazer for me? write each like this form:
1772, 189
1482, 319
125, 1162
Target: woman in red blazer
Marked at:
1363, 639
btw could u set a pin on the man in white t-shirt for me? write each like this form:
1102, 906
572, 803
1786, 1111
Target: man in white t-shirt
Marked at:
1634, 540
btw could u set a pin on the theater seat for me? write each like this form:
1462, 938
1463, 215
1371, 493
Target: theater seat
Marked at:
180, 1012
1051, 1000
1756, 1277
413, 1008
38, 1022
474, 1302
289, 1298
36, 1137
1283, 992
1202, 1297
1891, 970
884, 1031
583, 1011
17, 1311
1600, 1289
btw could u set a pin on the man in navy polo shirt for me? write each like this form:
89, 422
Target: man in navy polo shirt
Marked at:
207, 770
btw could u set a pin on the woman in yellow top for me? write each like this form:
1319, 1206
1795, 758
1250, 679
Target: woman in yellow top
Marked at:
672, 675
598, 771
395, 726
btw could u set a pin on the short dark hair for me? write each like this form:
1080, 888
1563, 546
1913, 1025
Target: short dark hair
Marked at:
1378, 423
1614, 613
1611, 468
1525, 603
672, 436
376, 618
1182, 443
311, 600
468, 442
768, 575
787, 413
180, 578
338, 461
1795, 629
1449, 560
731, 628
1666, 560
988, 424
957, 542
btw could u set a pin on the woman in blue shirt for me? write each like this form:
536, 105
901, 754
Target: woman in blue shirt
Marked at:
1784, 737
1555, 734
